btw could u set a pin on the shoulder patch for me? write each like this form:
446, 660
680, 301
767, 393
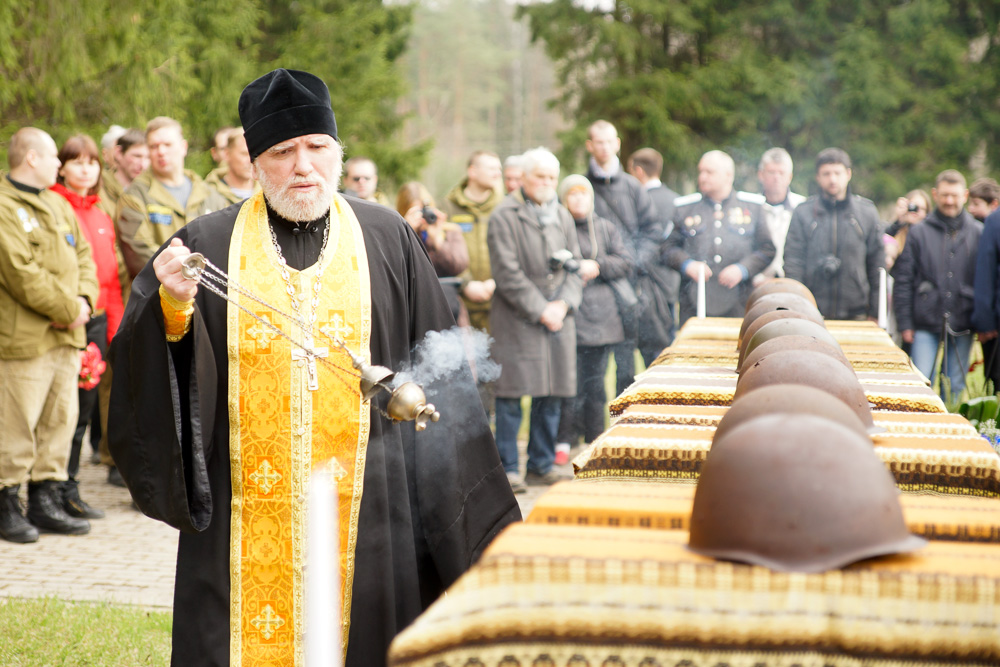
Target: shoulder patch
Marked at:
688, 199
750, 197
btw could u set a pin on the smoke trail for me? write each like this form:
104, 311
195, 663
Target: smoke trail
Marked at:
443, 354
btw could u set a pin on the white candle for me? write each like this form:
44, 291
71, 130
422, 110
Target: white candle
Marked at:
322, 572
701, 290
883, 300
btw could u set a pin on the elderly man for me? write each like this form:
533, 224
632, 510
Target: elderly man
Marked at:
220, 411
513, 173
720, 233
834, 243
775, 176
162, 200
47, 287
533, 246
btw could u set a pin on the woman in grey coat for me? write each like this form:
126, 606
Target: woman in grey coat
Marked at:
534, 256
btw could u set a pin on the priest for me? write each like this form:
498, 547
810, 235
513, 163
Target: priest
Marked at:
220, 409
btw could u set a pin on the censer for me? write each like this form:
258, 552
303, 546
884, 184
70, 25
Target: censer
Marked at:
407, 402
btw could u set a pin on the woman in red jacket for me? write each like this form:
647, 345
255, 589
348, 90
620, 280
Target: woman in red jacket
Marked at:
79, 182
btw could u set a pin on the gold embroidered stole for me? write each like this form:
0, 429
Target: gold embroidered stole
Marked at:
279, 429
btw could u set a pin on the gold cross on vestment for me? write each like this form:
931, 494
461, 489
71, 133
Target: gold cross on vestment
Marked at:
265, 477
267, 622
309, 353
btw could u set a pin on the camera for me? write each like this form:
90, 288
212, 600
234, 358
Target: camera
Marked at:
430, 217
830, 265
912, 208
563, 259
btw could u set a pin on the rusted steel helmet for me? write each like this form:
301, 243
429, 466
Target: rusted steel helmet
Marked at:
771, 302
788, 398
779, 286
797, 493
793, 342
785, 327
773, 316
809, 368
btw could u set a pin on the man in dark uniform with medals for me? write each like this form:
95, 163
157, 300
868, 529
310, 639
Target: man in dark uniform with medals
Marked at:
722, 232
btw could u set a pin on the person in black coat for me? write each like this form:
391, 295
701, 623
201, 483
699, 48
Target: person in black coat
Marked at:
620, 198
934, 289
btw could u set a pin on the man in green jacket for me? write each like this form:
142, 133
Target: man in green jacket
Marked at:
234, 178
48, 286
469, 205
163, 199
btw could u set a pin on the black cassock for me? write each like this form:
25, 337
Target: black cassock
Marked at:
432, 501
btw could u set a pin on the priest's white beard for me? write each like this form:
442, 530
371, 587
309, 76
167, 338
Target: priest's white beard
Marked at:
298, 206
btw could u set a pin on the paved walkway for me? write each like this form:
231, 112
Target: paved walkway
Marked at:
126, 558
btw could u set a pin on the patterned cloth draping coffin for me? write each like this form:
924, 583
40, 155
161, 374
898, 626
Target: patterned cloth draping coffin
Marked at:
548, 595
889, 360
946, 464
713, 342
672, 385
667, 506
928, 423
728, 328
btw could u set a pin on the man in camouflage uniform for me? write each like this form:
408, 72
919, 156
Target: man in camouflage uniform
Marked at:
163, 199
469, 205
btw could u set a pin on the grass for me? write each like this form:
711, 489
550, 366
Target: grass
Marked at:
48, 632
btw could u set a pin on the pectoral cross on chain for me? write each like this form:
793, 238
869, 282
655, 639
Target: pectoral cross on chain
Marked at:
309, 353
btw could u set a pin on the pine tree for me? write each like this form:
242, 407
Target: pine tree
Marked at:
907, 88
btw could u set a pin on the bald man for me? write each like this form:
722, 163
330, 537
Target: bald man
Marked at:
720, 232
48, 286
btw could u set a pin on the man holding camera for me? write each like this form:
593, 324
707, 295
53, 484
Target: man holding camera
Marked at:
532, 318
721, 232
834, 243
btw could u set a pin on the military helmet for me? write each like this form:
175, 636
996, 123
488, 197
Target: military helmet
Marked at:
798, 493
771, 302
790, 398
794, 342
779, 286
808, 368
785, 327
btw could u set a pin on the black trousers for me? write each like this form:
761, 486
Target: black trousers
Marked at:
90, 414
991, 362
584, 413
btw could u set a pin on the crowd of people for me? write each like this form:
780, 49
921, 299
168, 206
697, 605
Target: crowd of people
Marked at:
564, 272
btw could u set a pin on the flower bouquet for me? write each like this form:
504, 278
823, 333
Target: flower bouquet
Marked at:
91, 366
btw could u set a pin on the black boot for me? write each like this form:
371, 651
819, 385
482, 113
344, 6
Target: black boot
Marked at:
13, 526
45, 510
115, 477
76, 506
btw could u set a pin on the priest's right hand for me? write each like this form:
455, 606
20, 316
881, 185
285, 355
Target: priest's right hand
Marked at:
168, 265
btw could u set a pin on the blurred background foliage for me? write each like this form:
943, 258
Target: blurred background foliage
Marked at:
908, 88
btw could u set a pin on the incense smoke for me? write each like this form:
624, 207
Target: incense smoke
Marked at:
442, 355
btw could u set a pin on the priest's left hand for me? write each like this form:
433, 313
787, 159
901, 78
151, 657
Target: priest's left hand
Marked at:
168, 265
